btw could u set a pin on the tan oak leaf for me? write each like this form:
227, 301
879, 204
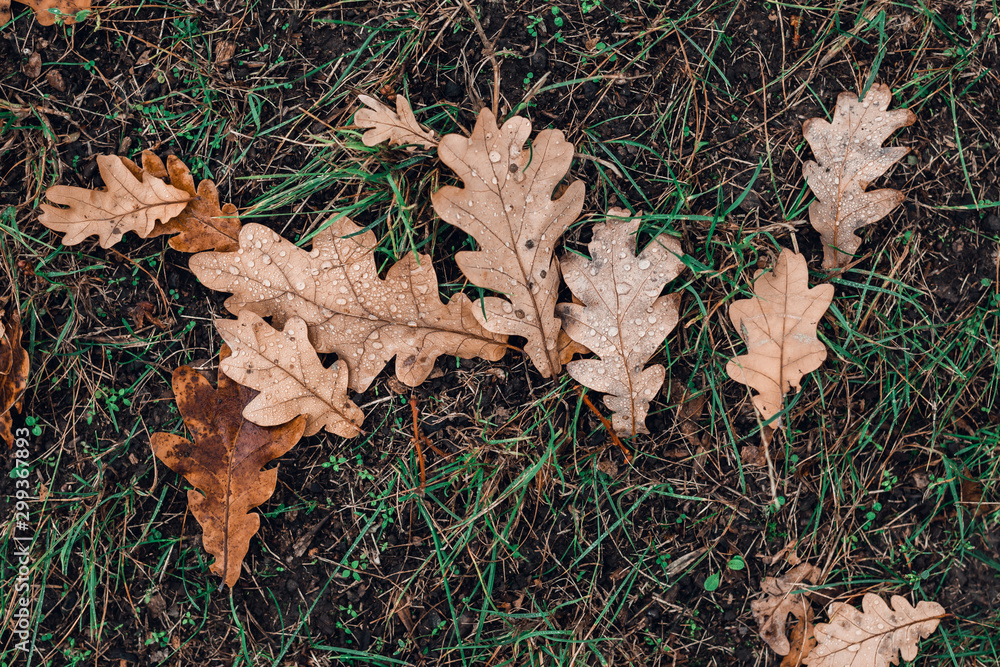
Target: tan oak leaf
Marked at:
224, 463
876, 636
128, 204
336, 289
624, 318
292, 381
779, 328
785, 595
849, 156
507, 206
397, 127
67, 10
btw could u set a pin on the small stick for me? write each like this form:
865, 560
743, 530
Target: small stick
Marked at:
607, 426
418, 440
490, 51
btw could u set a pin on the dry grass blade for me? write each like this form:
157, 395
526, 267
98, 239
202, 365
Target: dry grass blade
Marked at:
849, 156
779, 328
786, 595
129, 204
291, 379
623, 317
876, 636
204, 224
14, 365
399, 127
507, 206
336, 290
224, 463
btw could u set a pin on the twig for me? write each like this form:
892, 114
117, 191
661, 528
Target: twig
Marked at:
418, 441
606, 424
490, 52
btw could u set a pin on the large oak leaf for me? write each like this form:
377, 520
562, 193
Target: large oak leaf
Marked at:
623, 319
507, 206
849, 156
336, 289
779, 328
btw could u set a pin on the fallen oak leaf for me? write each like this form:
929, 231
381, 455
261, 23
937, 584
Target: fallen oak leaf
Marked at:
335, 288
849, 156
204, 224
779, 328
224, 463
876, 636
507, 206
128, 204
66, 10
397, 127
802, 640
14, 367
624, 319
292, 381
786, 595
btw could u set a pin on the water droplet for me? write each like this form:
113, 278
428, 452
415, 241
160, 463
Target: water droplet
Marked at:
652, 319
494, 156
266, 259
341, 302
326, 266
233, 270
622, 288
267, 283
550, 344
507, 308
300, 285
643, 264
613, 331
528, 199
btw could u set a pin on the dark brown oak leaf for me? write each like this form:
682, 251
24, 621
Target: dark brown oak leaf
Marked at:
336, 289
624, 318
224, 463
14, 366
786, 595
849, 156
507, 206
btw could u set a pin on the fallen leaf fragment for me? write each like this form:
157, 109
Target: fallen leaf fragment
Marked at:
292, 381
67, 10
14, 366
506, 205
224, 463
876, 636
786, 595
397, 127
350, 311
849, 156
802, 640
128, 204
204, 224
779, 328
623, 319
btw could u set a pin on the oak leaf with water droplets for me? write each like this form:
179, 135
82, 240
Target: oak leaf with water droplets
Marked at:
224, 464
876, 636
335, 288
849, 156
779, 328
128, 204
292, 381
623, 317
506, 205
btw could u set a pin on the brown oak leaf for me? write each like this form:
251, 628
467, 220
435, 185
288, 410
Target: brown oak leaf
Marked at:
224, 463
507, 206
67, 10
623, 319
350, 311
779, 328
292, 381
876, 636
849, 156
14, 366
128, 204
398, 127
802, 640
785, 595
204, 224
